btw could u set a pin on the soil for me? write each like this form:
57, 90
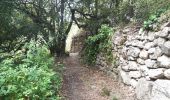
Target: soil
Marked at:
83, 83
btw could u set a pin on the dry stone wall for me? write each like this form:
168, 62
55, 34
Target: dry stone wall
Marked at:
143, 62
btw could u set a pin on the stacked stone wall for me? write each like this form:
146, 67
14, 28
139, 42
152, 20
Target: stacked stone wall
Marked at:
142, 61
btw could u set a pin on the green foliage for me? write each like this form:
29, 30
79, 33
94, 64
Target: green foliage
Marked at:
145, 8
28, 74
148, 25
98, 43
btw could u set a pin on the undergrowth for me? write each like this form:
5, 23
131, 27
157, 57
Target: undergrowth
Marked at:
98, 43
28, 75
153, 18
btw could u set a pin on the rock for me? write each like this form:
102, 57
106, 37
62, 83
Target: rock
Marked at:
167, 73
140, 61
119, 40
135, 43
157, 53
125, 78
125, 68
151, 50
134, 74
143, 54
133, 51
164, 33
164, 61
131, 58
166, 48
165, 25
168, 36
159, 41
143, 89
151, 36
133, 83
156, 73
151, 63
144, 70
149, 45
160, 90
133, 66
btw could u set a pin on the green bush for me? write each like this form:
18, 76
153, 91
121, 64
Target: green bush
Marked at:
145, 8
98, 43
28, 75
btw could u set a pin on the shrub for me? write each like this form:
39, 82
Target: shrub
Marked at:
98, 43
144, 8
28, 74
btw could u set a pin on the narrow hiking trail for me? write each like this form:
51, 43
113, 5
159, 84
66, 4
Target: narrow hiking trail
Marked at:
82, 83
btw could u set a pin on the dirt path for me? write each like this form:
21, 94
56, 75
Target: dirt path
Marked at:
81, 83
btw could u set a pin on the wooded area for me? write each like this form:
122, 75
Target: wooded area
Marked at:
33, 31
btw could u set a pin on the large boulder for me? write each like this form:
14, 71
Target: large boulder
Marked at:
164, 61
161, 90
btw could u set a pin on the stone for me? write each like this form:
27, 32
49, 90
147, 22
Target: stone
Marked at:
131, 58
149, 45
151, 63
132, 66
164, 33
157, 34
151, 50
151, 36
168, 36
167, 73
165, 25
164, 61
119, 40
166, 48
125, 78
143, 54
156, 73
133, 51
125, 68
144, 70
133, 83
143, 89
159, 41
134, 74
135, 43
140, 61
157, 53
160, 90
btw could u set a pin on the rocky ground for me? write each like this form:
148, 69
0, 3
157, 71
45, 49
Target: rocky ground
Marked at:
82, 83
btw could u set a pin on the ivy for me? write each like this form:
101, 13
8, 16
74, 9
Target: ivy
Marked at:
98, 43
